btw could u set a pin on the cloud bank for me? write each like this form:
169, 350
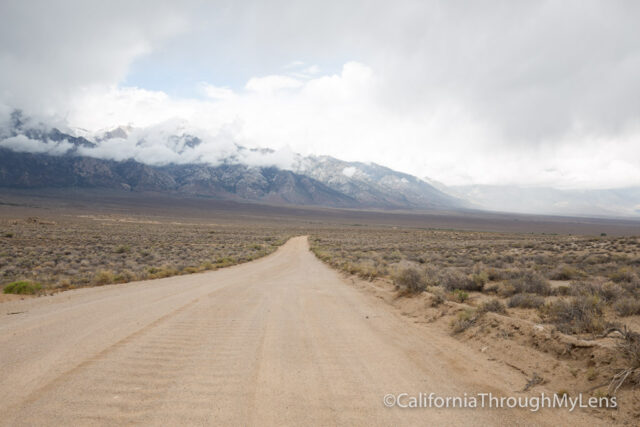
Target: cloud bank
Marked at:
526, 93
171, 142
52, 51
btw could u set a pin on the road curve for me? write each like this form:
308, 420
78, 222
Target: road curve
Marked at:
279, 341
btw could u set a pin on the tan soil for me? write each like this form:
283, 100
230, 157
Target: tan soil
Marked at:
12, 297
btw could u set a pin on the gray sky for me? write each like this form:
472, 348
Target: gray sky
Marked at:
487, 92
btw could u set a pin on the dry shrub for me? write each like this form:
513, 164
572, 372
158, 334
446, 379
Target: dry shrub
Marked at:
607, 291
226, 261
627, 307
566, 272
208, 265
493, 306
123, 249
526, 301
630, 350
460, 295
454, 279
103, 277
411, 281
624, 274
530, 282
463, 321
578, 315
125, 276
494, 274
431, 276
480, 279
365, 269
632, 287
162, 272
491, 288
437, 295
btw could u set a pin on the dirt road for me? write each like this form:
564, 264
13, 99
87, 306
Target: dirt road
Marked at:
279, 341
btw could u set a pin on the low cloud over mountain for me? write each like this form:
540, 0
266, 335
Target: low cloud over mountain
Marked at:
178, 157
174, 157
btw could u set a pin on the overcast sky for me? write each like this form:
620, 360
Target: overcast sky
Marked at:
504, 92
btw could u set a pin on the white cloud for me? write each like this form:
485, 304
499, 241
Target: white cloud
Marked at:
294, 64
171, 141
345, 115
271, 84
217, 93
51, 50
264, 117
542, 93
313, 69
283, 158
24, 144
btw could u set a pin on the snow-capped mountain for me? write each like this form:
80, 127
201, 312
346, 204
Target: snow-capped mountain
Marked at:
372, 184
174, 158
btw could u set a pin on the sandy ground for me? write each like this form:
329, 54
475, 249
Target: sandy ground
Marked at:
278, 341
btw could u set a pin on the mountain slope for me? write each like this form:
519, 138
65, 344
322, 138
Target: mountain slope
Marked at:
372, 184
169, 158
34, 170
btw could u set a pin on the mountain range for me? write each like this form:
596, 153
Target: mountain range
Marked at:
175, 160
37, 157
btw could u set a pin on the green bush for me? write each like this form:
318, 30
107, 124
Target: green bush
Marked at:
22, 287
